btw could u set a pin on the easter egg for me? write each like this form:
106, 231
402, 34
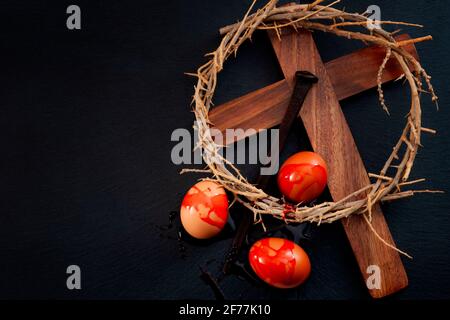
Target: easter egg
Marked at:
303, 177
279, 262
204, 210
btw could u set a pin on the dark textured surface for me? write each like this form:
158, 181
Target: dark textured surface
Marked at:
86, 177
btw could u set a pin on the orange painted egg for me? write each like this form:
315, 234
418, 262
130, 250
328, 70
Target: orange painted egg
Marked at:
279, 262
204, 210
303, 177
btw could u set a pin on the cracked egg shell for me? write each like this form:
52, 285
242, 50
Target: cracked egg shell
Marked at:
204, 210
279, 262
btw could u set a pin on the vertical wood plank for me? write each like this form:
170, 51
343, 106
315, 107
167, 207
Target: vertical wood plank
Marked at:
331, 137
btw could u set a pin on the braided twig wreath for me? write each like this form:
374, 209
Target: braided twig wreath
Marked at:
327, 19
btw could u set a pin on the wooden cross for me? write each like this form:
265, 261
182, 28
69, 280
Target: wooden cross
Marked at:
329, 134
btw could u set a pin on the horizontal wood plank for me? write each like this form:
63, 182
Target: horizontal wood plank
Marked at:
331, 137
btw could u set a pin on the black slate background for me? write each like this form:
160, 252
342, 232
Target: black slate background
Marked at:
86, 177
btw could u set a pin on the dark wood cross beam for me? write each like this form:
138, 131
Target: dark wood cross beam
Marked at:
329, 134
264, 108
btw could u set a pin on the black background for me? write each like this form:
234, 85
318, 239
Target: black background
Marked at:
86, 176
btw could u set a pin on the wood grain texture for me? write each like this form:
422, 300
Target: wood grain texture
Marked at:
264, 108
331, 137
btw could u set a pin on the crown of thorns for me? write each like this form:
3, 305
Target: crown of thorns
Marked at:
326, 18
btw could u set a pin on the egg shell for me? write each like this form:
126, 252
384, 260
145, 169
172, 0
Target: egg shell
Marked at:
303, 177
279, 262
204, 210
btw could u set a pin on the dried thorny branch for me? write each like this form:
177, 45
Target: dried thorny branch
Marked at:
323, 18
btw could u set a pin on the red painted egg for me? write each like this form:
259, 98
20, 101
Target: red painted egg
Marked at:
303, 177
204, 210
279, 262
